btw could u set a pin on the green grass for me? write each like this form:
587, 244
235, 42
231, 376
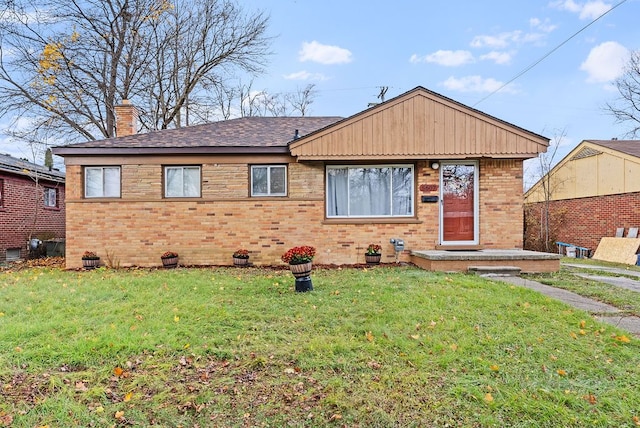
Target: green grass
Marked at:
384, 347
626, 300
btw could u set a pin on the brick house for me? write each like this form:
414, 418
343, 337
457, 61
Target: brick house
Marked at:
28, 209
593, 191
419, 167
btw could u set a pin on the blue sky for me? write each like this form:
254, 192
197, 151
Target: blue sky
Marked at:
463, 49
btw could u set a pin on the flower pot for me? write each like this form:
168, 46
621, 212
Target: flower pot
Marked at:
239, 261
301, 270
169, 262
90, 263
372, 259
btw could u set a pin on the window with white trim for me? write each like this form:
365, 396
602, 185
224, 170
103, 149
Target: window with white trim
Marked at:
268, 180
370, 191
50, 196
102, 182
182, 181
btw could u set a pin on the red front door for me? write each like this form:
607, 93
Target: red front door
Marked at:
458, 203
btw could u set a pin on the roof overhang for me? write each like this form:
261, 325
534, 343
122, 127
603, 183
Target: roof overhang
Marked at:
111, 151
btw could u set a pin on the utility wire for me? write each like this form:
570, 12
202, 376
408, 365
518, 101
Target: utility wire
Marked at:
548, 54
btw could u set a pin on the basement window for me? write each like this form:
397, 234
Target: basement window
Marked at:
13, 254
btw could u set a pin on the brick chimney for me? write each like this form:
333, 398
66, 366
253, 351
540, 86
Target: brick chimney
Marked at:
126, 119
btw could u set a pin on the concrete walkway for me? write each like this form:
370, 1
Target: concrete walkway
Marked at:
601, 311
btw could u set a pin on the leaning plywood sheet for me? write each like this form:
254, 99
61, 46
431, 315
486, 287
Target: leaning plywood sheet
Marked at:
618, 250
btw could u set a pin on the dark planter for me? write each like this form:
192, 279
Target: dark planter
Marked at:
239, 261
170, 262
90, 263
372, 259
304, 284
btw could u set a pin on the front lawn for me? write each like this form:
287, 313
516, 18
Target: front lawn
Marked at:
383, 347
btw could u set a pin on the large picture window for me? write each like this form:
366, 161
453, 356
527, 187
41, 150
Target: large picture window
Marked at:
182, 181
102, 182
269, 180
370, 191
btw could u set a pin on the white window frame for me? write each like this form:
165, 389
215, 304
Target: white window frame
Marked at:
349, 215
269, 192
182, 168
102, 170
48, 200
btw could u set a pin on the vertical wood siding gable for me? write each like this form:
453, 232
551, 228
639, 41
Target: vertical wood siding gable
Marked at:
417, 126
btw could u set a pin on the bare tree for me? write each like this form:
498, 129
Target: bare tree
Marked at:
626, 109
65, 64
302, 99
548, 184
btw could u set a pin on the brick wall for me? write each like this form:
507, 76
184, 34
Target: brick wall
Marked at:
583, 221
17, 214
501, 203
137, 228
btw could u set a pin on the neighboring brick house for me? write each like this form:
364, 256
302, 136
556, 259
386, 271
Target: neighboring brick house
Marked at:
594, 190
419, 167
28, 210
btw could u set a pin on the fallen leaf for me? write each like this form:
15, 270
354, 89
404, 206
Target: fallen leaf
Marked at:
369, 336
562, 372
494, 368
623, 339
335, 417
128, 396
80, 386
454, 347
119, 414
118, 371
575, 336
583, 324
488, 397
590, 398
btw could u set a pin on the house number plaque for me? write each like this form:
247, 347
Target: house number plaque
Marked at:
428, 187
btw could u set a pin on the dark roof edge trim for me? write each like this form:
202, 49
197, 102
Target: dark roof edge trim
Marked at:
93, 151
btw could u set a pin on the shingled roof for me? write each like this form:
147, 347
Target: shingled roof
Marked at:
630, 147
246, 134
21, 167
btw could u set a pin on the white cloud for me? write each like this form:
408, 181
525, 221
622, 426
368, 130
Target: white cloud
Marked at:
588, 10
605, 62
499, 41
305, 75
497, 57
475, 84
324, 54
543, 26
446, 58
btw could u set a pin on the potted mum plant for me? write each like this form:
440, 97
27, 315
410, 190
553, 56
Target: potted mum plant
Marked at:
373, 255
241, 257
169, 259
299, 259
90, 260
